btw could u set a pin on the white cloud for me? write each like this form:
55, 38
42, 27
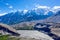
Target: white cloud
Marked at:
53, 9
25, 11
45, 8
19, 10
42, 7
7, 3
10, 7
39, 6
14, 10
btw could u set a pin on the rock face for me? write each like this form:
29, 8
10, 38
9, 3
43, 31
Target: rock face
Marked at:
8, 29
55, 18
34, 34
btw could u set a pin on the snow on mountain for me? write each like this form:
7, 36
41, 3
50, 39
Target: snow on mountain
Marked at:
3, 14
25, 11
41, 10
55, 8
39, 6
40, 13
17, 17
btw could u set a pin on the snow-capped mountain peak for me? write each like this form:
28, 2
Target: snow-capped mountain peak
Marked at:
55, 8
3, 14
25, 11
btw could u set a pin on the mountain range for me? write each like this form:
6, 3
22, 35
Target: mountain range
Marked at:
23, 16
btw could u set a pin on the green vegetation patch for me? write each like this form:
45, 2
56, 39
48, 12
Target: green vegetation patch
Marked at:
4, 37
7, 37
25, 28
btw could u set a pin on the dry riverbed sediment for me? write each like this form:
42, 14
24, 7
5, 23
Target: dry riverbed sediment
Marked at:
33, 35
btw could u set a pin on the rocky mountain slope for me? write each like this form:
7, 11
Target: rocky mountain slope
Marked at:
55, 18
25, 15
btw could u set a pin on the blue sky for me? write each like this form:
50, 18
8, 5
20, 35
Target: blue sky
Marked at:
12, 5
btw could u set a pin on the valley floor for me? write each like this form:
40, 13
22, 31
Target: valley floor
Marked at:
33, 34
27, 35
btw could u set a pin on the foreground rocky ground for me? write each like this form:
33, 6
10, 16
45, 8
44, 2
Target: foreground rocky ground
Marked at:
33, 35
7, 37
27, 35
